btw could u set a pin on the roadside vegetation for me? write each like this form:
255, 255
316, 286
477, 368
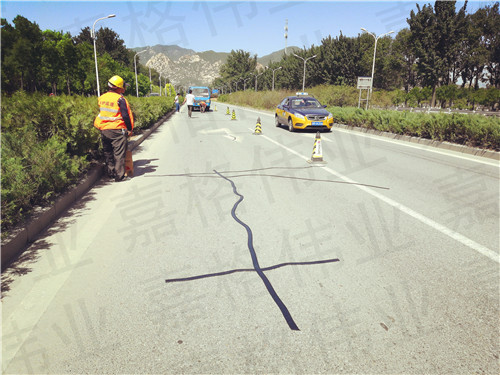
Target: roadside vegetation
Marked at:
446, 57
48, 142
466, 129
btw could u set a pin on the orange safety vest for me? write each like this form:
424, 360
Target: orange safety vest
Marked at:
110, 116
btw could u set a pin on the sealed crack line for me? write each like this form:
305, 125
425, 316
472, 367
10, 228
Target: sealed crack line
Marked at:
265, 280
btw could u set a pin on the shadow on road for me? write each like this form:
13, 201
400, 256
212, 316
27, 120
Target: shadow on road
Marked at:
22, 265
143, 166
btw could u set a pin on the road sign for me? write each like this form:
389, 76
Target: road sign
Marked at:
364, 83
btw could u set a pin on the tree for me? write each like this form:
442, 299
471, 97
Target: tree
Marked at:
337, 59
109, 41
239, 64
84, 36
21, 54
436, 37
491, 42
404, 59
474, 54
52, 64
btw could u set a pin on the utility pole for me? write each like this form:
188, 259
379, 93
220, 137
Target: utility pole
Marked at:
286, 34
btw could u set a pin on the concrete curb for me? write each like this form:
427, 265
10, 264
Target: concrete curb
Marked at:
42, 218
426, 142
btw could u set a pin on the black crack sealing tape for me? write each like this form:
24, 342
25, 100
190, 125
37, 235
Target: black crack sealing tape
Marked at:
267, 283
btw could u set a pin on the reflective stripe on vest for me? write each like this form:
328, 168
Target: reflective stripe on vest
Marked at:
110, 116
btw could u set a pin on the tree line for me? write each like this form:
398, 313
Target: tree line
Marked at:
55, 62
441, 49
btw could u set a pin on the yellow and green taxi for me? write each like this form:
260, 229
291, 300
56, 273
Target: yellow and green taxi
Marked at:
303, 111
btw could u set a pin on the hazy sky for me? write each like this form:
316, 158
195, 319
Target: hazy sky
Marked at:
254, 26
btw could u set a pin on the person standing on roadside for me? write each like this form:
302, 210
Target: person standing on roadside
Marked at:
177, 105
189, 100
116, 122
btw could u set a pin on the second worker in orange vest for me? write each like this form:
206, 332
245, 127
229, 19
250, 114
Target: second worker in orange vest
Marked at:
116, 122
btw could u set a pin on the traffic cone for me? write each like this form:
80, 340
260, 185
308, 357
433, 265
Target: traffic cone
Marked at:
317, 154
227, 111
258, 128
215, 107
233, 116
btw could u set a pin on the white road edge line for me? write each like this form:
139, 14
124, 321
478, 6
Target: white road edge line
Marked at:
423, 219
419, 147
401, 143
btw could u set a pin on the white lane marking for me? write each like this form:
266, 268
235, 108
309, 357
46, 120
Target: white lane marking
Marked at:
224, 132
311, 136
423, 219
419, 147
400, 143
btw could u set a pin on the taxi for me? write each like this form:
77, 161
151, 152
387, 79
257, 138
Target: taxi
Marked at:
303, 111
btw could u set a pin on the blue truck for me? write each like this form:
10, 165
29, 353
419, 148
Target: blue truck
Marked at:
201, 93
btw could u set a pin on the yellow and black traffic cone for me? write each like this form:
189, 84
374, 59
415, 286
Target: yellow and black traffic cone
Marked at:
215, 107
317, 154
227, 111
233, 115
258, 127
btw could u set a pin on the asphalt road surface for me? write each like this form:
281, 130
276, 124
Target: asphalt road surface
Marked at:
228, 252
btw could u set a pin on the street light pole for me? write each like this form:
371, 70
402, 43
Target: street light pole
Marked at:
95, 51
135, 66
150, 83
245, 83
257, 76
374, 54
305, 61
273, 74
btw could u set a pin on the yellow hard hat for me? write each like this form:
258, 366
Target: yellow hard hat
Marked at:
117, 81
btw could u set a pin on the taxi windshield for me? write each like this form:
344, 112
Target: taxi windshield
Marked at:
305, 103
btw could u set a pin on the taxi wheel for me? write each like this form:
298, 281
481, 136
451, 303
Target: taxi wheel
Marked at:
277, 122
290, 125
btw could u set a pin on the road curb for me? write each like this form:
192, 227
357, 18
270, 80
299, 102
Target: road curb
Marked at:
426, 142
43, 217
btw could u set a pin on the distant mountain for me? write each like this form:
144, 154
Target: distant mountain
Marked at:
276, 56
186, 67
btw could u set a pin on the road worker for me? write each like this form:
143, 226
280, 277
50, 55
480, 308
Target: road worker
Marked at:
116, 123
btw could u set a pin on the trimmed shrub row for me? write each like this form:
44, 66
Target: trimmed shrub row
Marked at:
48, 142
469, 130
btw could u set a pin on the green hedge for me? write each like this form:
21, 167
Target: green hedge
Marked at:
48, 142
471, 130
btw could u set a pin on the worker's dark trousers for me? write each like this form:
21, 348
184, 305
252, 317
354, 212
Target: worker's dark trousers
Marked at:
114, 143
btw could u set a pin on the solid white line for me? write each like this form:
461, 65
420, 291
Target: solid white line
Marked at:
423, 219
419, 147
400, 143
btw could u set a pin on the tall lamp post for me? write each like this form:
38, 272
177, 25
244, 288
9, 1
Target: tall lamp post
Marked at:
95, 51
150, 83
305, 61
273, 74
135, 66
245, 83
374, 53
160, 83
257, 76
